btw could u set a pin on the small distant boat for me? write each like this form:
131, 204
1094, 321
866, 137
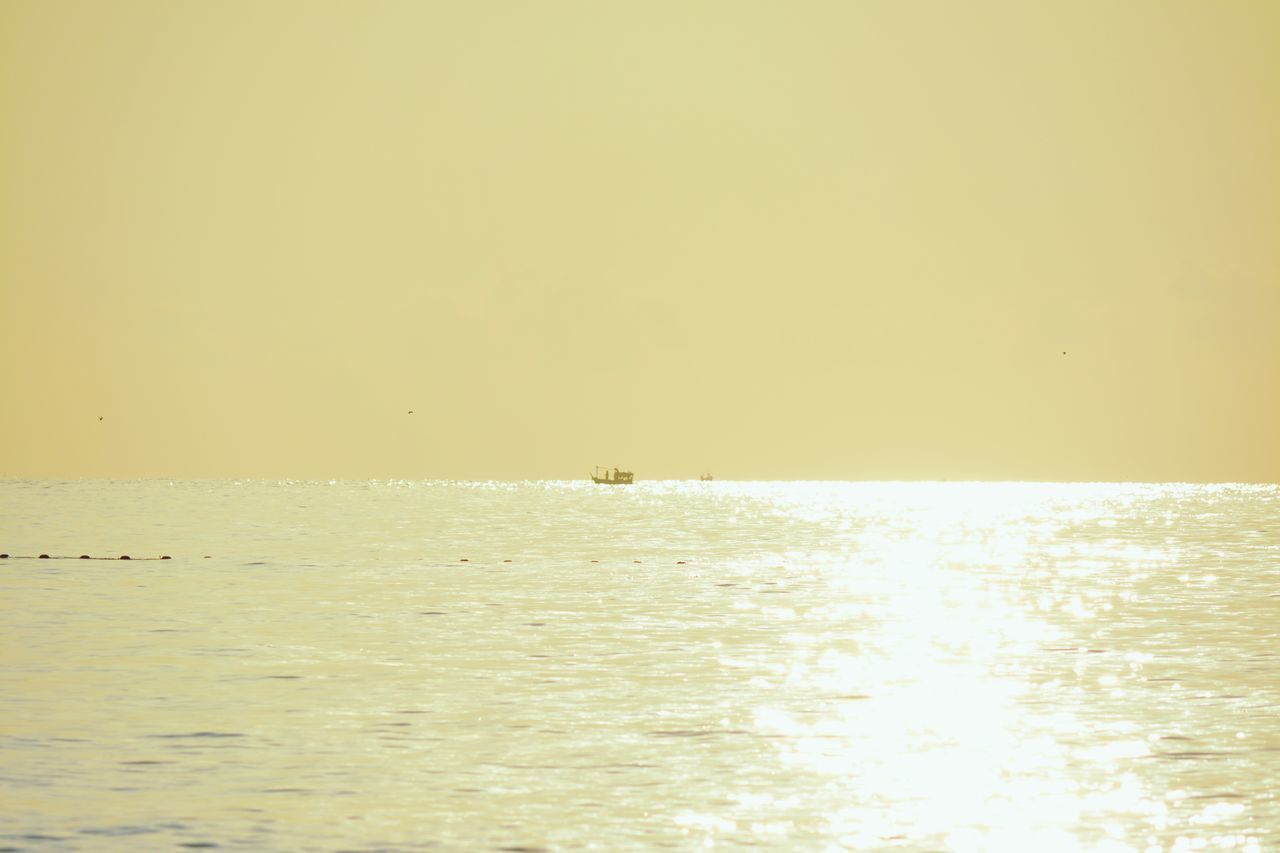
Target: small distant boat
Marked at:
614, 478
706, 477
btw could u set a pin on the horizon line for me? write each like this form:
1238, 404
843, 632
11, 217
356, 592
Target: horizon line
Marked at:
4, 478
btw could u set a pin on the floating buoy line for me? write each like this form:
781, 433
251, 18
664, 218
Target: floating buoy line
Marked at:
167, 557
81, 557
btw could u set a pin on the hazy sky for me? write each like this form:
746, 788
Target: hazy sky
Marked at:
770, 240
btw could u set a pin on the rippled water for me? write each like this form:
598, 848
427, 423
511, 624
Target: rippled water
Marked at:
915, 666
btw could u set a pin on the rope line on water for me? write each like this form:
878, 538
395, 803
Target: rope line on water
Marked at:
167, 557
81, 557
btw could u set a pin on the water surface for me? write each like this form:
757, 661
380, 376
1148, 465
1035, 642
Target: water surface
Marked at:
401, 665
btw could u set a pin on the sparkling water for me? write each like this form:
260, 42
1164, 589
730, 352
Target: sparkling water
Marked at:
559, 665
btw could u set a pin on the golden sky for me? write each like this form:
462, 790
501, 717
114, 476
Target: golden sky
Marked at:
845, 240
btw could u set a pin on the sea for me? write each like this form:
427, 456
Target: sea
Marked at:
524, 666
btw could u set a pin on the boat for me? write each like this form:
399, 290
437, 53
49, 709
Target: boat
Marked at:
614, 478
706, 477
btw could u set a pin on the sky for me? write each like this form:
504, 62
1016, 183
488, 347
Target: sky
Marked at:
868, 240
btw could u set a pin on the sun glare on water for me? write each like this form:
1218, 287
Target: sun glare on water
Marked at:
936, 692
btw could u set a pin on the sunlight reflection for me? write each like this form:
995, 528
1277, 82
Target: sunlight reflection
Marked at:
923, 710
